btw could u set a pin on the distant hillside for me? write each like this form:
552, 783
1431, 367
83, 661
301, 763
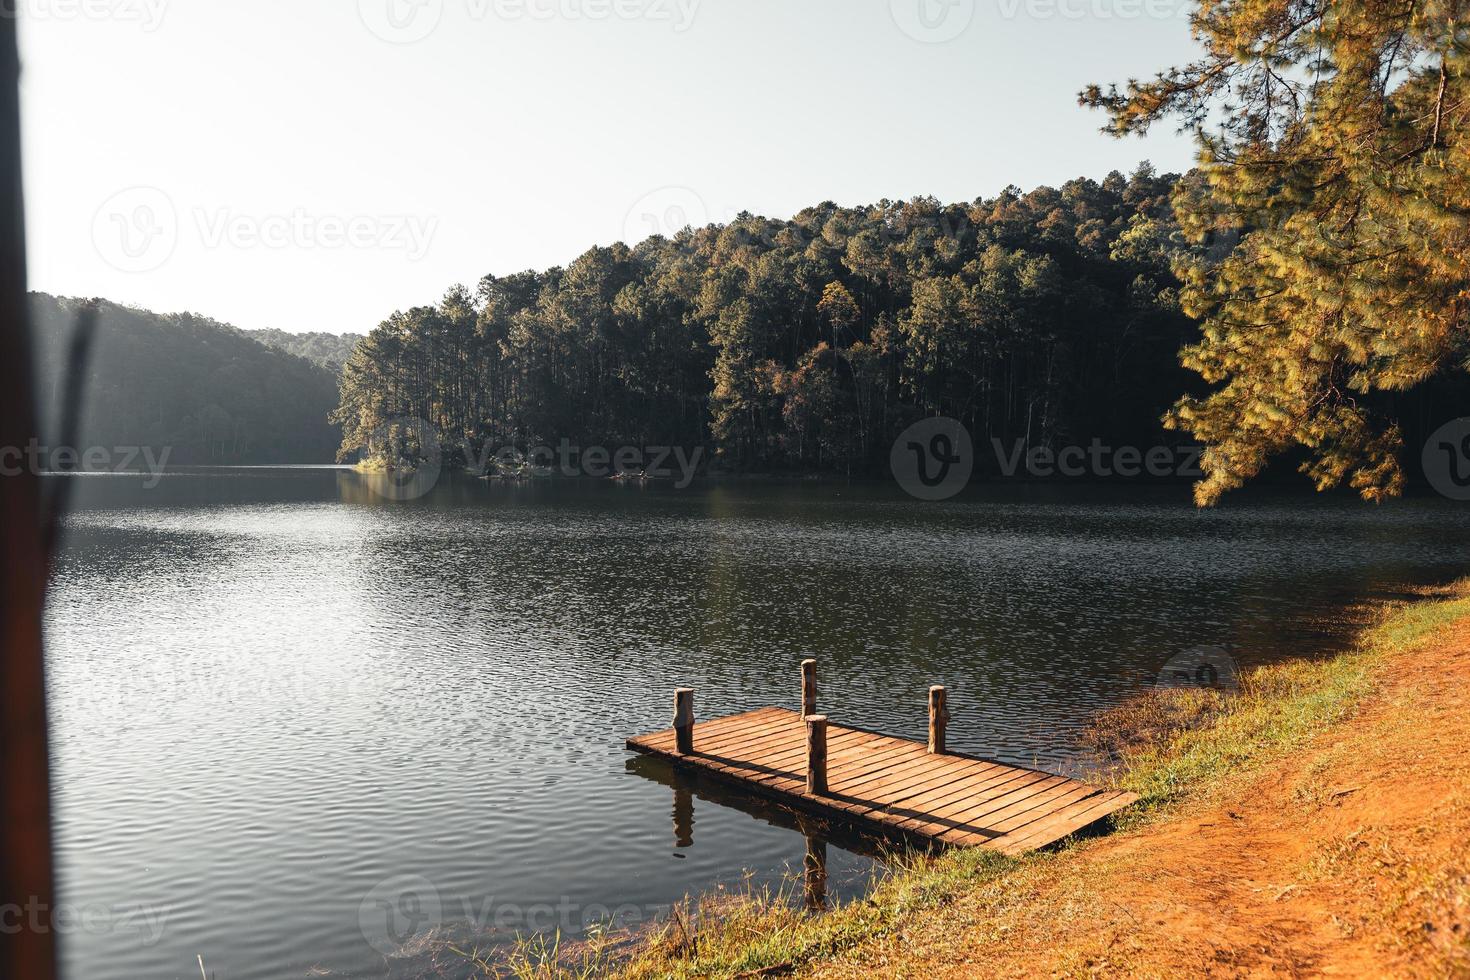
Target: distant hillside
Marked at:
203, 388
1045, 318
329, 350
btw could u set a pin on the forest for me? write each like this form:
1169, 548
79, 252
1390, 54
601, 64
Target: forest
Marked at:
1048, 317
1042, 319
208, 392
328, 350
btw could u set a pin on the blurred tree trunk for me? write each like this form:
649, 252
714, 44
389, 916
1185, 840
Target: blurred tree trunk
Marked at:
25, 799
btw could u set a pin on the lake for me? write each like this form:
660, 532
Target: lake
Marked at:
300, 730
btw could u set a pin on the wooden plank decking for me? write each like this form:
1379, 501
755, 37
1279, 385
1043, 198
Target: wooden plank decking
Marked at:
892, 784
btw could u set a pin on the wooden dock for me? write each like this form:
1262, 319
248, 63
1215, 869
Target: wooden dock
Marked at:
890, 785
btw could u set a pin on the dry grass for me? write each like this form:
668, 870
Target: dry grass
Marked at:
1151, 718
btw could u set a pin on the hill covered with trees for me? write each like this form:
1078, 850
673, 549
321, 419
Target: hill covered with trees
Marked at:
204, 389
328, 350
1048, 317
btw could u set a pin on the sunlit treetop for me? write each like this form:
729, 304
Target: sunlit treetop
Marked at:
1327, 256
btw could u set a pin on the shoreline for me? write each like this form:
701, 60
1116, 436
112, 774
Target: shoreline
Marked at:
1273, 488
1256, 846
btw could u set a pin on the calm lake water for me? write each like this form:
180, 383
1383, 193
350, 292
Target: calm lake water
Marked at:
299, 728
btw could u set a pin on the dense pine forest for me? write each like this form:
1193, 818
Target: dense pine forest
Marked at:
204, 390
1045, 317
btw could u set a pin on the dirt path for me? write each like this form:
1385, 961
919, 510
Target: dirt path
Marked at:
1350, 859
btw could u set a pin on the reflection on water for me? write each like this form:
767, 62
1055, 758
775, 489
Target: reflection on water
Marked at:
289, 713
816, 831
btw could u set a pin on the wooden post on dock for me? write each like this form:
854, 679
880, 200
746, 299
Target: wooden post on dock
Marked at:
816, 754
938, 719
684, 720
808, 687
876, 782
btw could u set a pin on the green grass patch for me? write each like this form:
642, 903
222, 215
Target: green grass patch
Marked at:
1191, 739
766, 931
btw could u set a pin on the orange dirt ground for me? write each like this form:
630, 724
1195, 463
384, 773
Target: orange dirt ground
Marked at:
1350, 858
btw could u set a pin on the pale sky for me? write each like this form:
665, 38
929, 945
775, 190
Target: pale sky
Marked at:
317, 164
